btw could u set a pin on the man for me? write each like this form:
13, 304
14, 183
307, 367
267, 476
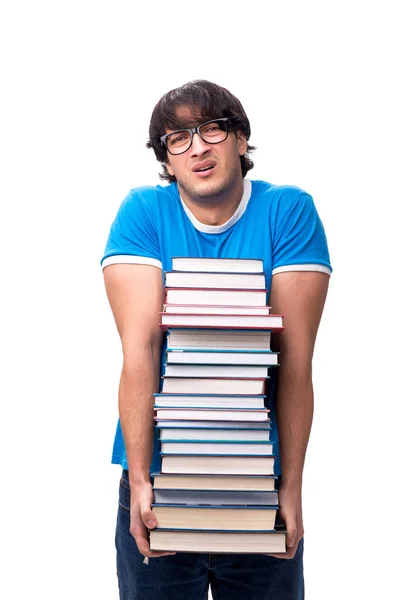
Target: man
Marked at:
200, 134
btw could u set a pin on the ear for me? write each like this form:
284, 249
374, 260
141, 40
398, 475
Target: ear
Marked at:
241, 142
169, 169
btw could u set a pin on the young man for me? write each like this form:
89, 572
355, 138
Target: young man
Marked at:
200, 134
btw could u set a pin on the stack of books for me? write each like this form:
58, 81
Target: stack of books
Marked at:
215, 491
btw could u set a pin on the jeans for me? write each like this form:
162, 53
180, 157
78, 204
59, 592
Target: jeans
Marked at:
187, 576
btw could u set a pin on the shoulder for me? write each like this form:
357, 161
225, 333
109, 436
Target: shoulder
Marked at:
278, 194
151, 195
280, 201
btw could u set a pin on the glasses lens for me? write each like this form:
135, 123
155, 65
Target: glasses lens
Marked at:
178, 142
214, 132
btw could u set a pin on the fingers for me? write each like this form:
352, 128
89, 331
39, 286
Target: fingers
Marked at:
286, 555
143, 519
140, 533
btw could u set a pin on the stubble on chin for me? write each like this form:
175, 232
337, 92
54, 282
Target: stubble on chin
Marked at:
208, 191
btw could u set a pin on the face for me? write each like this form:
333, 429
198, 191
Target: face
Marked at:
223, 158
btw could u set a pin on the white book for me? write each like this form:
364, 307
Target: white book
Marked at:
215, 517
203, 385
188, 279
198, 424
216, 296
216, 448
217, 339
217, 265
199, 357
213, 434
214, 482
208, 401
213, 414
191, 370
220, 465
215, 542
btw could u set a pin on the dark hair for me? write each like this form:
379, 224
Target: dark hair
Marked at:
209, 101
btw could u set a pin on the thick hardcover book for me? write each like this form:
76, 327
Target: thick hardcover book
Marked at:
216, 497
189, 279
219, 339
222, 357
215, 517
217, 265
218, 465
226, 542
257, 483
271, 322
213, 385
216, 296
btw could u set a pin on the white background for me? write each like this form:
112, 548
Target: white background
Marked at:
79, 81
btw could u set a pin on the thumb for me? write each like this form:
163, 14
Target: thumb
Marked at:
291, 526
148, 518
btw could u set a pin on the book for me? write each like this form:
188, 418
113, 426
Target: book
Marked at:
222, 357
213, 339
272, 322
208, 401
235, 371
231, 542
216, 296
249, 518
216, 448
219, 265
209, 424
213, 414
215, 497
212, 385
215, 309
213, 434
260, 483
189, 279
218, 465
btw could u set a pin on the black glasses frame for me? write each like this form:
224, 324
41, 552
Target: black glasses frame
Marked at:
192, 131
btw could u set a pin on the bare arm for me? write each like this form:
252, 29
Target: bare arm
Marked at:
135, 293
300, 296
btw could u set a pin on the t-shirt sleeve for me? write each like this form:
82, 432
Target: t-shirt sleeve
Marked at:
133, 235
299, 242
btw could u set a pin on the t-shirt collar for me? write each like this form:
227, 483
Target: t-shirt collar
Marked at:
234, 218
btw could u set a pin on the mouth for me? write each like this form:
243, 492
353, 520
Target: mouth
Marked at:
204, 167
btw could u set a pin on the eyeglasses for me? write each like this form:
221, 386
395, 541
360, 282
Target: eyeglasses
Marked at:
211, 132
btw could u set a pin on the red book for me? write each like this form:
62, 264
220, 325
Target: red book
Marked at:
216, 296
272, 322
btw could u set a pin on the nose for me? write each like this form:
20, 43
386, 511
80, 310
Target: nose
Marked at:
198, 145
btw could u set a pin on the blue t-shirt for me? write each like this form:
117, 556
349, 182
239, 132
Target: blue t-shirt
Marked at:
277, 224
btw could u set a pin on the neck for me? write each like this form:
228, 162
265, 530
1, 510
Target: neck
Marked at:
216, 209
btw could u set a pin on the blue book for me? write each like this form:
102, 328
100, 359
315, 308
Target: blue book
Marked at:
217, 447
209, 464
209, 400
241, 357
215, 497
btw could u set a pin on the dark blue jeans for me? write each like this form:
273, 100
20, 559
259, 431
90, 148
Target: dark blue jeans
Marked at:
187, 576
